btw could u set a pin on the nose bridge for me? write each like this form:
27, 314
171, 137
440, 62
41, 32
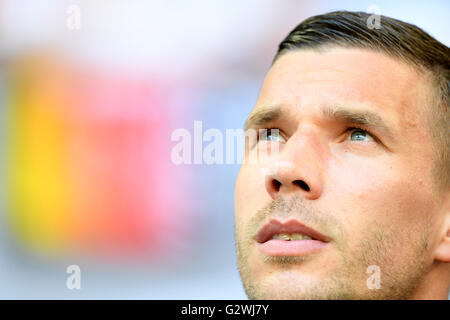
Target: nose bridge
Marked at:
304, 148
300, 166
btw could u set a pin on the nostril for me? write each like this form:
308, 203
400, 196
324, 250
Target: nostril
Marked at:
302, 184
276, 184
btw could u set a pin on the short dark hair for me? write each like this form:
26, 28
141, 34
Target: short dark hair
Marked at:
397, 39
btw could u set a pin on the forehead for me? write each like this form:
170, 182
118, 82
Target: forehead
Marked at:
302, 79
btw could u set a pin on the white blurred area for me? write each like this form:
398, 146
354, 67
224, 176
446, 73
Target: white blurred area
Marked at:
215, 54
158, 36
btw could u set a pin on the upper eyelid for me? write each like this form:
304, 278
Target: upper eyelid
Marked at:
374, 137
362, 129
280, 132
350, 127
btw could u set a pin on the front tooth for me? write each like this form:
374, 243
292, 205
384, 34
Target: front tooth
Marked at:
291, 236
297, 236
282, 236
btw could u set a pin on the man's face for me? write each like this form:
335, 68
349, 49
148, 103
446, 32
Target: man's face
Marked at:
354, 168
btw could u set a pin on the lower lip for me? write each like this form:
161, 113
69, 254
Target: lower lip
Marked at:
291, 248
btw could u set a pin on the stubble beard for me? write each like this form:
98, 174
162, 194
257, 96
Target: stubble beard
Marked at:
347, 280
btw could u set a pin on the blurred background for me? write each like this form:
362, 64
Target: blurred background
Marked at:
90, 94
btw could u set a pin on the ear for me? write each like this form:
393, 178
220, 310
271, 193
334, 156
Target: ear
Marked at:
442, 252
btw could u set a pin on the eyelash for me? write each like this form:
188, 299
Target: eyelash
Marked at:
364, 130
268, 130
349, 129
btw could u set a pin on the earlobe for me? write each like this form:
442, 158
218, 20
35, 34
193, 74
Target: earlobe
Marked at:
442, 252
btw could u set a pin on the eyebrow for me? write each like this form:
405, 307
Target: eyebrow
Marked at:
360, 117
263, 115
268, 113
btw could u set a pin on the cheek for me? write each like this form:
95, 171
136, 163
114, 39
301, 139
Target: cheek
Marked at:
377, 192
250, 193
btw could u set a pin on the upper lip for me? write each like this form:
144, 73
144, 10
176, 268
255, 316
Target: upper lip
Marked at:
274, 227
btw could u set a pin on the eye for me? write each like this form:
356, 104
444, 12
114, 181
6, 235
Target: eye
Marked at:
358, 134
272, 134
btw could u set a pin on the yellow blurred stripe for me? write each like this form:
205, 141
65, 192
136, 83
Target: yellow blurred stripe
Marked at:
37, 177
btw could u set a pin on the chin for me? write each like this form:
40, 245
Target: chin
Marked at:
283, 284
290, 284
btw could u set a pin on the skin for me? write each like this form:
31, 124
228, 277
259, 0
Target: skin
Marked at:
374, 195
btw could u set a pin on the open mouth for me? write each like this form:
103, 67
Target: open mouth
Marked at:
291, 238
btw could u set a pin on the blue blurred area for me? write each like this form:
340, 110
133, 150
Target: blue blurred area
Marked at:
218, 55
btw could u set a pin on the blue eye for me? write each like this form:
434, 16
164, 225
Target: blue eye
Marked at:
270, 135
359, 135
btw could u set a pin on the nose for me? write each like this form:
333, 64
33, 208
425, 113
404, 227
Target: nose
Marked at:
299, 169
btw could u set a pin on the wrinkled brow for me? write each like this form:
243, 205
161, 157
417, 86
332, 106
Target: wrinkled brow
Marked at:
351, 115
